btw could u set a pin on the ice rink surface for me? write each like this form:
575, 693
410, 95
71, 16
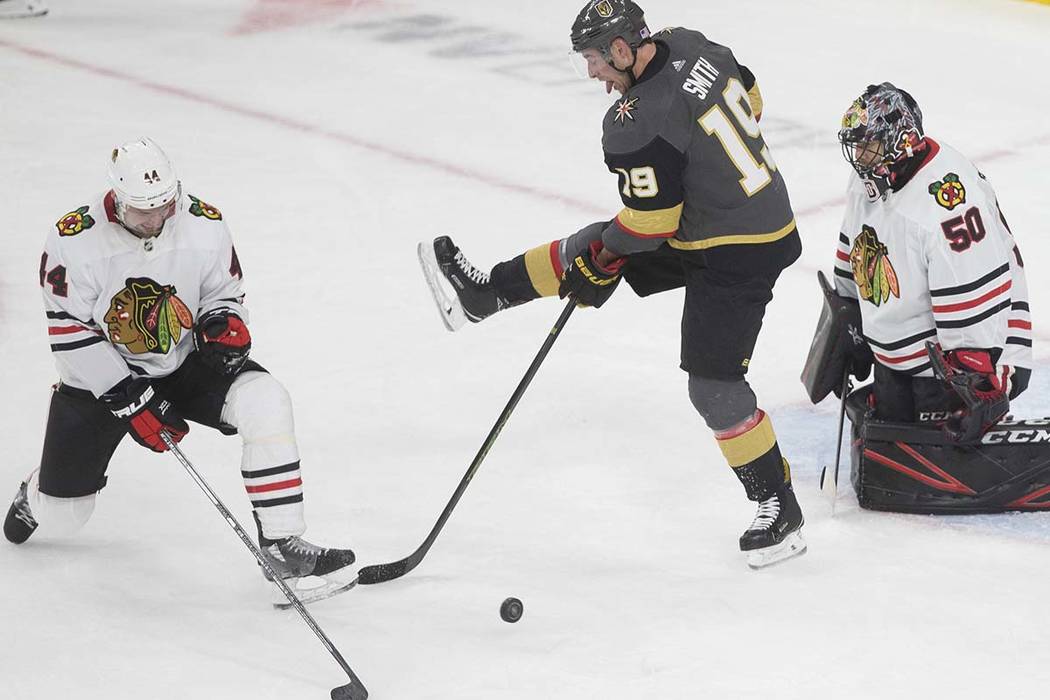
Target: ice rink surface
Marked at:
336, 134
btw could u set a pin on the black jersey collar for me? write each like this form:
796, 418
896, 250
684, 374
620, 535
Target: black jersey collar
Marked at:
663, 52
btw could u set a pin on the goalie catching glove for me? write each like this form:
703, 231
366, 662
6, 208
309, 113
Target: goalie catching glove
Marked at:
146, 413
591, 282
971, 375
222, 340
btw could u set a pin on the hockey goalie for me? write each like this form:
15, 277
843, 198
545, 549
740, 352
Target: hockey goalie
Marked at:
930, 290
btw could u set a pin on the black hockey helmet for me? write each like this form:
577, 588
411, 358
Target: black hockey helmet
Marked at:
880, 131
601, 21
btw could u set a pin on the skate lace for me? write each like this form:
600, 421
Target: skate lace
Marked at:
469, 270
768, 512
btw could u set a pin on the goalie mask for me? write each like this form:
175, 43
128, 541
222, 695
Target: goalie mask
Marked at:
145, 188
880, 132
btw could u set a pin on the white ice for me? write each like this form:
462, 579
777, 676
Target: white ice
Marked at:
336, 134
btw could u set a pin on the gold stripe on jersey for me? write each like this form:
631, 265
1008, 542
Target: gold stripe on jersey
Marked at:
746, 447
659, 223
733, 239
542, 273
754, 96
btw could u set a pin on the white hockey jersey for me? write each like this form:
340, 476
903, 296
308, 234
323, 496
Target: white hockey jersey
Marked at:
117, 304
935, 261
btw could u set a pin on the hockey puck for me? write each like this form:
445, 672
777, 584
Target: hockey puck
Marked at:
511, 610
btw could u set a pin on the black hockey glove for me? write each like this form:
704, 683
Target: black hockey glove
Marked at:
146, 413
222, 340
590, 282
971, 374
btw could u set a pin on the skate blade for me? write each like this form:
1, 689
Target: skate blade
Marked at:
449, 307
311, 589
792, 546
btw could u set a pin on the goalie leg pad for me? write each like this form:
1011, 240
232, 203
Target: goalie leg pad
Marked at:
909, 468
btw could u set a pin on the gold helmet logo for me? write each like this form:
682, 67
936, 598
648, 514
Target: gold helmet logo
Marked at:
604, 9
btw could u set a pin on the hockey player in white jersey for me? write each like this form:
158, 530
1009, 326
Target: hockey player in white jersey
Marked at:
144, 302
943, 304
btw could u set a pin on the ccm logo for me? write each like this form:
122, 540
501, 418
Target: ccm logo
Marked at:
1015, 437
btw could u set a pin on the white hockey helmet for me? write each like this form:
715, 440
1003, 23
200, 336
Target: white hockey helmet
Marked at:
142, 177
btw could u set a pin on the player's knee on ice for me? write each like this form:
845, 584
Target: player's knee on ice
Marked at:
58, 517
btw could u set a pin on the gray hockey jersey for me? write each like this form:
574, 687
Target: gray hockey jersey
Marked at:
694, 169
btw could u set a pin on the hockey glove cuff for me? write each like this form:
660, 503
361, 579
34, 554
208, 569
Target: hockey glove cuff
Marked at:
971, 375
222, 340
146, 413
592, 283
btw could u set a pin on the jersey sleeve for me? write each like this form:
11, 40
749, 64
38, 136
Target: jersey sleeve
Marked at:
650, 182
845, 284
970, 280
83, 355
754, 95
221, 286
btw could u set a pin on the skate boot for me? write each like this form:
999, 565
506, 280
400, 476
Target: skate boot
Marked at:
312, 572
20, 523
776, 533
473, 298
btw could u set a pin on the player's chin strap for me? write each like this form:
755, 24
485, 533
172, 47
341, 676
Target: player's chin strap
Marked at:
354, 690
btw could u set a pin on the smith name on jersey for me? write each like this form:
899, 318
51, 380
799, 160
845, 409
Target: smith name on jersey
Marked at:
694, 170
934, 261
118, 304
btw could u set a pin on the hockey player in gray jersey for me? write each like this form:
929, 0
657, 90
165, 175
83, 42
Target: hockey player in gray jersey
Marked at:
704, 208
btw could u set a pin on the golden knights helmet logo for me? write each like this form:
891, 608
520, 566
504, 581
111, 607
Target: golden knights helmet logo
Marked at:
147, 317
872, 270
604, 9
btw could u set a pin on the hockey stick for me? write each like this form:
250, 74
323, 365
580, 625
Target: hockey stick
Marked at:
378, 573
830, 486
354, 690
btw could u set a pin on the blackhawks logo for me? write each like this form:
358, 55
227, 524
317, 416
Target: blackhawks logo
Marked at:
199, 208
948, 192
872, 270
74, 222
147, 317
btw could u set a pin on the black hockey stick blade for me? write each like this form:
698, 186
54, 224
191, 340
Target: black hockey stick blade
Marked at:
351, 691
379, 573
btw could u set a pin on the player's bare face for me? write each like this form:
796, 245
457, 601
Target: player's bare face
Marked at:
599, 69
147, 223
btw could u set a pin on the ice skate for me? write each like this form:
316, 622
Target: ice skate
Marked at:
312, 572
776, 532
471, 297
20, 523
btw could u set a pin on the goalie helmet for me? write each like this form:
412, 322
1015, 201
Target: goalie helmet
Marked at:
142, 177
880, 131
601, 21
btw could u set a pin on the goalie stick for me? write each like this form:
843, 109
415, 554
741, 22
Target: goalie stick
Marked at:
354, 690
378, 573
830, 486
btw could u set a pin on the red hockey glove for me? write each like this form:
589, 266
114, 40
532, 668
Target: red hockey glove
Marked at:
146, 413
222, 340
971, 374
592, 283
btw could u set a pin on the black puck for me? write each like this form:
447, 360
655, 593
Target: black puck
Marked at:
511, 610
